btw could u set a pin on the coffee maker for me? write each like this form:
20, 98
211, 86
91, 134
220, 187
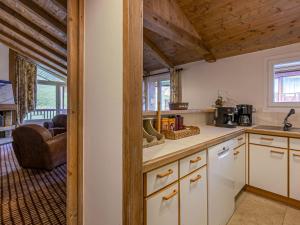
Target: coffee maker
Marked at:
244, 115
225, 117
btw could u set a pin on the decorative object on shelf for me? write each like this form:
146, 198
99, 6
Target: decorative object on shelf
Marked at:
178, 105
178, 134
150, 136
219, 102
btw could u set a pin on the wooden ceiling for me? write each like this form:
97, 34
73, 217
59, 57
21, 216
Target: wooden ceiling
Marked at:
36, 29
191, 30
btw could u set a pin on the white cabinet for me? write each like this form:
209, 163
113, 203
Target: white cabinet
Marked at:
268, 168
193, 199
191, 163
162, 207
295, 175
239, 168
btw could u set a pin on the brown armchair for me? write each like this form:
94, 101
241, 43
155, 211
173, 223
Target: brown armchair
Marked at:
35, 147
58, 124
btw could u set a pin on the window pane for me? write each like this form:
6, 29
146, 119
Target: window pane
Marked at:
286, 82
152, 95
165, 94
46, 96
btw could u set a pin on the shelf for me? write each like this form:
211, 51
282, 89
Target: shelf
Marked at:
8, 107
172, 112
7, 128
7, 140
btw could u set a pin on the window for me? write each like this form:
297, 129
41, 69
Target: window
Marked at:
156, 89
284, 83
51, 95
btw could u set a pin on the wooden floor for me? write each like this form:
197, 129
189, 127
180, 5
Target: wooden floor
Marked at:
255, 210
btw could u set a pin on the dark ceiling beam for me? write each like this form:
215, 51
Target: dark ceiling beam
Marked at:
63, 3
50, 49
44, 15
164, 28
57, 37
16, 46
157, 53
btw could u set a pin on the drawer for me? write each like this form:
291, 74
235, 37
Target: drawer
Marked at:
241, 140
161, 177
295, 144
192, 163
280, 142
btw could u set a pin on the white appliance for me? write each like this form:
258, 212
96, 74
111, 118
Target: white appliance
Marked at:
221, 202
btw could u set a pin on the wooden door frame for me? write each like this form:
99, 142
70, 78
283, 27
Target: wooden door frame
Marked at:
132, 112
75, 112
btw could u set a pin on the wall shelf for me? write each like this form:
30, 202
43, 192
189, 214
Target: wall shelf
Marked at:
172, 112
8, 107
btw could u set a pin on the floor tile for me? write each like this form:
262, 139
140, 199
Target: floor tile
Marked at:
292, 217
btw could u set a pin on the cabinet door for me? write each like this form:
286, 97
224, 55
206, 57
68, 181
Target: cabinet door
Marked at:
239, 168
268, 169
295, 175
193, 198
162, 208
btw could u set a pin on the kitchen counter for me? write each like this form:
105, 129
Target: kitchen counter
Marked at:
280, 133
173, 150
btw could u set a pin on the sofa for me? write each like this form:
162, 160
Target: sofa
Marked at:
58, 125
36, 148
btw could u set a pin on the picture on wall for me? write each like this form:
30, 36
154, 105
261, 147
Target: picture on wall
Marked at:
6, 92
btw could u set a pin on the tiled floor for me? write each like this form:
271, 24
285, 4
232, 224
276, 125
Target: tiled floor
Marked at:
255, 210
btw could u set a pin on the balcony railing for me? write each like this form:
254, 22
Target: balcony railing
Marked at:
44, 114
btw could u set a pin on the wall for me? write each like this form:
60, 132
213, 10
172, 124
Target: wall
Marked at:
241, 79
4, 62
103, 97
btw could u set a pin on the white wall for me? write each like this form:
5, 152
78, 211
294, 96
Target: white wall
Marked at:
241, 79
103, 112
4, 62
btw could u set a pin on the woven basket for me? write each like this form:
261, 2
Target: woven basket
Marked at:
187, 132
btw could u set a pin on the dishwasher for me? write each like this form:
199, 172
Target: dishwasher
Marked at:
221, 203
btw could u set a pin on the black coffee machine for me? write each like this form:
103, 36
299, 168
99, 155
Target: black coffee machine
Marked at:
225, 117
244, 115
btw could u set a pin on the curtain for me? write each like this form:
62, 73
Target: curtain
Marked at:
25, 87
176, 90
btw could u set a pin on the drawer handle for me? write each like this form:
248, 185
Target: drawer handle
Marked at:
266, 139
195, 160
277, 152
168, 197
296, 155
193, 180
162, 175
236, 153
240, 139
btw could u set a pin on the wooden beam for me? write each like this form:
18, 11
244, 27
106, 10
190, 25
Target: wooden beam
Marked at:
167, 29
44, 15
31, 34
42, 30
63, 3
157, 53
33, 55
33, 47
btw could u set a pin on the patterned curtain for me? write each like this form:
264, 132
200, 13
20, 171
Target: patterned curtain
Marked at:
25, 87
176, 91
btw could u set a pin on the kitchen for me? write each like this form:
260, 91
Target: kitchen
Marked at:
233, 171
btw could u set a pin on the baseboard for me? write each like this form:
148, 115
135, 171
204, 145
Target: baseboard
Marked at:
288, 201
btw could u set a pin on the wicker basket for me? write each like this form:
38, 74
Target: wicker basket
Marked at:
187, 132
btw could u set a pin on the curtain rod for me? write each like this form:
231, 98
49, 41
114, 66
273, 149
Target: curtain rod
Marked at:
161, 73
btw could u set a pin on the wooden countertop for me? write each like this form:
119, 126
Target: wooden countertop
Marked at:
280, 133
173, 150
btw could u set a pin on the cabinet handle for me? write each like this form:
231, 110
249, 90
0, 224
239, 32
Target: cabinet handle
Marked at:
168, 197
236, 153
193, 180
162, 175
195, 160
240, 139
296, 155
277, 152
266, 139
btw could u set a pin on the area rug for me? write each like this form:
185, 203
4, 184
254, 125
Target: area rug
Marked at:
30, 196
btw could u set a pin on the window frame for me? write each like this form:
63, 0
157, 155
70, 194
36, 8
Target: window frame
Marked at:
270, 63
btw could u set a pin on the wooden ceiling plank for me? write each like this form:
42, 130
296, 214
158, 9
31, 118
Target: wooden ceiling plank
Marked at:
31, 39
31, 20
44, 15
63, 3
33, 47
24, 29
34, 56
157, 53
157, 24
